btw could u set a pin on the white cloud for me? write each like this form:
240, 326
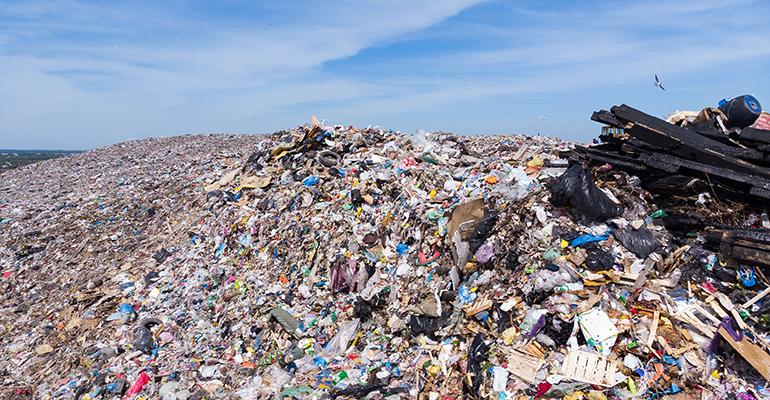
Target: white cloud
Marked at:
91, 65
78, 74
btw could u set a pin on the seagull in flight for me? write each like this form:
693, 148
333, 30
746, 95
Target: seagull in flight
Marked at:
658, 83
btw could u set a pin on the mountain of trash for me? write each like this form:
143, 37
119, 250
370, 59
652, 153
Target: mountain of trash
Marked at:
343, 263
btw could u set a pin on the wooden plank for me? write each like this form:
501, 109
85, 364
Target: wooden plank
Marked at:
752, 353
653, 329
589, 368
524, 366
664, 344
728, 305
535, 349
708, 315
689, 318
756, 298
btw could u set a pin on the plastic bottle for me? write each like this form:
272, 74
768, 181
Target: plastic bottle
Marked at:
569, 287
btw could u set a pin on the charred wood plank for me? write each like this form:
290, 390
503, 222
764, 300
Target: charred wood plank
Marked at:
686, 143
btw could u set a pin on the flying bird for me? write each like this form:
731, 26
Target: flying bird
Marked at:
658, 83
541, 117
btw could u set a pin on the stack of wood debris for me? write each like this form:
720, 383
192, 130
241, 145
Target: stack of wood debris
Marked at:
693, 154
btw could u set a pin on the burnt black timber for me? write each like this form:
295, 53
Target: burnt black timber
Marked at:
607, 156
713, 172
748, 255
686, 143
606, 118
755, 135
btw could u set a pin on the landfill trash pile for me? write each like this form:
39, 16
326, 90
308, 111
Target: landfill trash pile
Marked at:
345, 263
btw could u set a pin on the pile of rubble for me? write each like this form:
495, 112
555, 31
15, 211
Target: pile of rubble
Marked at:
337, 262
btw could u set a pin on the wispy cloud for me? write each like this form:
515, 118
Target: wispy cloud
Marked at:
80, 74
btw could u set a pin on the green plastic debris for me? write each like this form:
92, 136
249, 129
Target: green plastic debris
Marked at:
340, 376
658, 214
287, 321
295, 391
429, 159
434, 215
551, 254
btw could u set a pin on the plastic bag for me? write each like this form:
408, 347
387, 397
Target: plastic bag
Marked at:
485, 252
588, 238
343, 276
483, 230
340, 341
420, 140
356, 392
141, 380
641, 242
143, 338
428, 326
577, 188
477, 354
598, 259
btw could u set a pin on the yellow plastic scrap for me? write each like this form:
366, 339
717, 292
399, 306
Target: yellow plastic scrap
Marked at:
387, 220
509, 335
596, 395
609, 275
433, 193
470, 267
631, 385
578, 395
535, 162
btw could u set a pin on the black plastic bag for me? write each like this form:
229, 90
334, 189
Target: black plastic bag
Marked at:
357, 392
512, 260
576, 187
363, 308
598, 259
143, 339
559, 331
356, 198
641, 242
420, 324
161, 255
483, 230
477, 354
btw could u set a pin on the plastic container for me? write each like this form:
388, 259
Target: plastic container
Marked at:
741, 111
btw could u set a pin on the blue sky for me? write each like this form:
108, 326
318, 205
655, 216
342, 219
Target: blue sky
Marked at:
77, 75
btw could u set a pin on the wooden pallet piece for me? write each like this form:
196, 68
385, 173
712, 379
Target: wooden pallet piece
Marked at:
589, 368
